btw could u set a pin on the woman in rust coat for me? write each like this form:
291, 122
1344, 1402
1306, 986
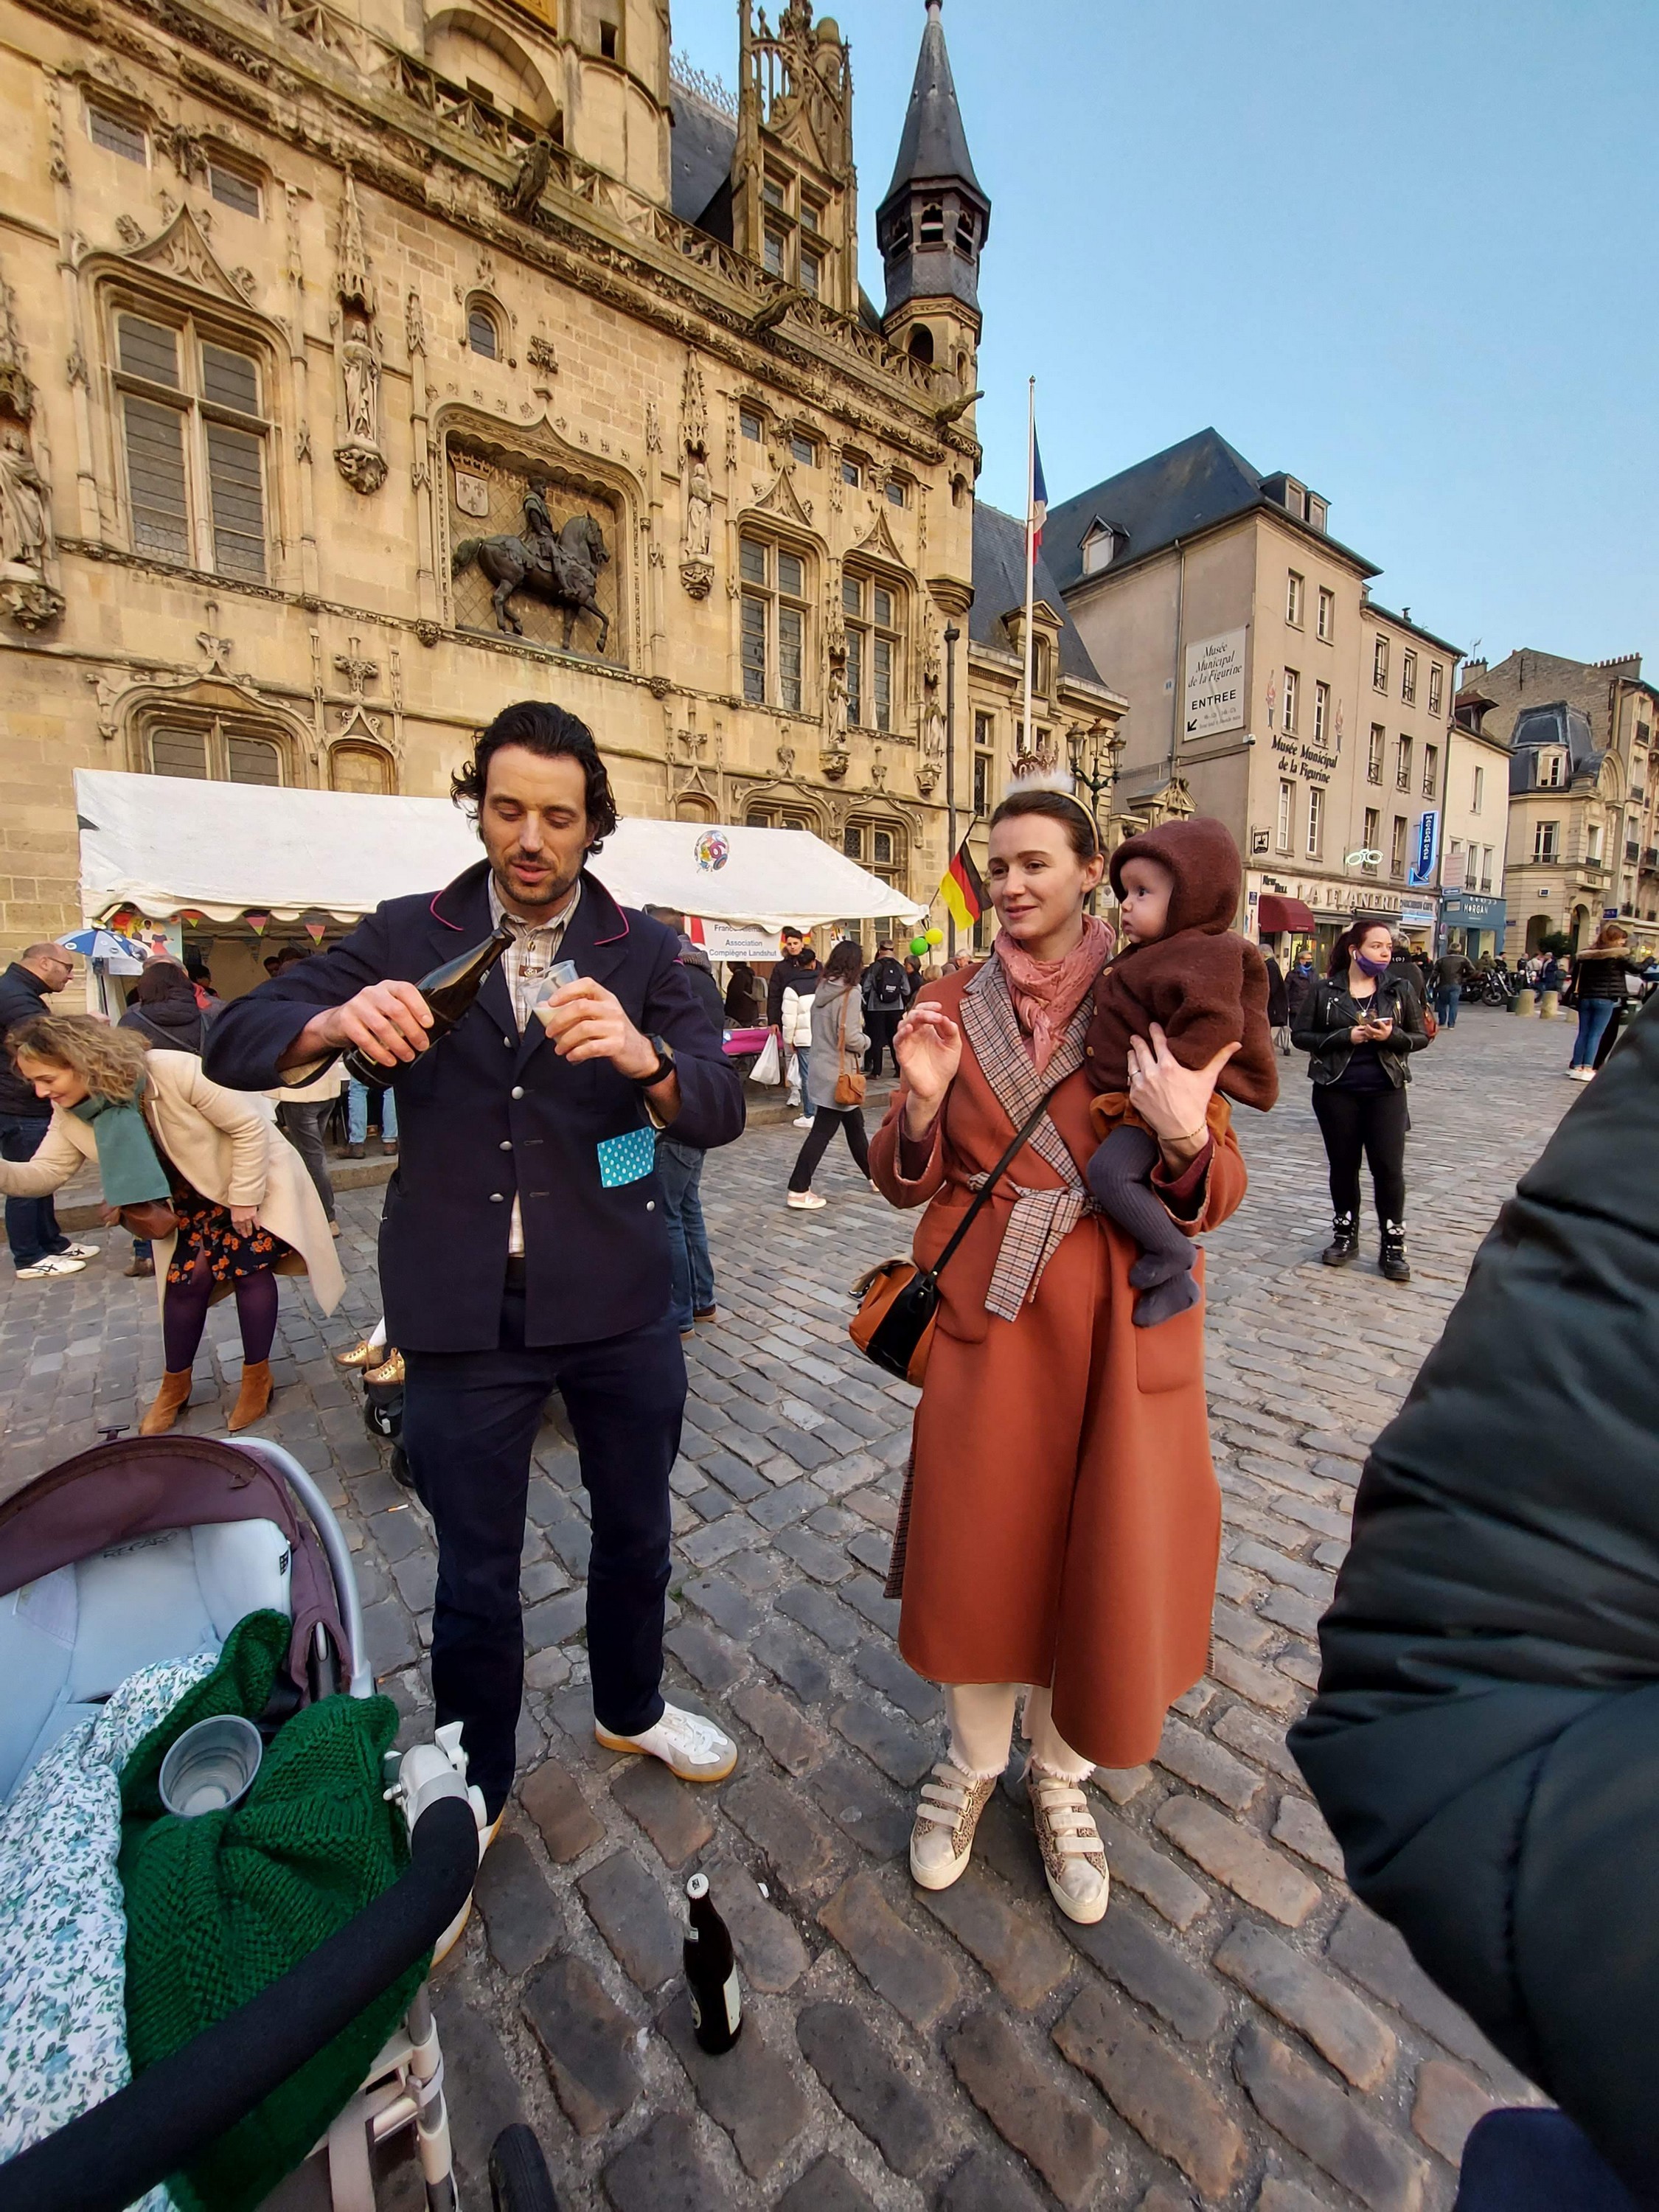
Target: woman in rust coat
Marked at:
1062, 1523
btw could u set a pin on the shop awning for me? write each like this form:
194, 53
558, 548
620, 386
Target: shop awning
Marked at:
165, 846
1274, 913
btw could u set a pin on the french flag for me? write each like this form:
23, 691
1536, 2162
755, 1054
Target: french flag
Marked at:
1039, 493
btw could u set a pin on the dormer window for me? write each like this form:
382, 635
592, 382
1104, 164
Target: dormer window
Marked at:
1098, 547
932, 224
1551, 770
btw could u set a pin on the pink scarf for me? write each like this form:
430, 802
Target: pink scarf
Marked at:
1047, 993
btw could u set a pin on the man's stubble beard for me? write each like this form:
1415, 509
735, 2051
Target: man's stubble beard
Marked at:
555, 898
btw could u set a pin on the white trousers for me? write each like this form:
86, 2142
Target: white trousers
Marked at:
981, 1717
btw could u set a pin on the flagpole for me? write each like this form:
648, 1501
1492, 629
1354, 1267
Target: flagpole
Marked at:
1030, 557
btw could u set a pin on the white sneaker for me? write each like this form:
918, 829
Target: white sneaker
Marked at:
687, 1744
802, 1122
55, 1263
947, 1814
1074, 1857
807, 1202
77, 1252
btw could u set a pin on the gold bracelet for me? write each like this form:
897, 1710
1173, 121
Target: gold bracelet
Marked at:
1194, 1137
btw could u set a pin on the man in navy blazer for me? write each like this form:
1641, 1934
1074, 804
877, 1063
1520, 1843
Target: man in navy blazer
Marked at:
524, 1245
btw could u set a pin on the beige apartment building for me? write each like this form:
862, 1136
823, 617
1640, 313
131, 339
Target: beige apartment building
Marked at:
366, 364
1263, 680
1583, 795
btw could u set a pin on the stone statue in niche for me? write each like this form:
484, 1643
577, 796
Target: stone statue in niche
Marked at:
362, 376
699, 508
22, 504
696, 566
27, 593
357, 453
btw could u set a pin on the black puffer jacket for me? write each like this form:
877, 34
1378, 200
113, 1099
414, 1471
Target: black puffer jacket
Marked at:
1485, 1738
1323, 1028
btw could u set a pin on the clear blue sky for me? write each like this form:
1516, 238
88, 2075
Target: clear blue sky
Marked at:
1407, 254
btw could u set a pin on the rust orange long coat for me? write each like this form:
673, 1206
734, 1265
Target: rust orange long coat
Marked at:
1064, 1520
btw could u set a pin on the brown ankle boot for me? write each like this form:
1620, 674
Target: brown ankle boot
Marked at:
253, 1396
170, 1401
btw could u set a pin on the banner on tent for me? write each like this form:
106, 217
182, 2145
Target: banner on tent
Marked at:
731, 940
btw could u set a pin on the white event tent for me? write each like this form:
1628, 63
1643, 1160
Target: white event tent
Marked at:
167, 845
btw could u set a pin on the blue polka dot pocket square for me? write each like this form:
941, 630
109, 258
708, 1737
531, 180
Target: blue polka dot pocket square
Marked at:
628, 1158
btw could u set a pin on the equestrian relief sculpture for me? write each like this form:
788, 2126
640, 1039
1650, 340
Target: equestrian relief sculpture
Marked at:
560, 566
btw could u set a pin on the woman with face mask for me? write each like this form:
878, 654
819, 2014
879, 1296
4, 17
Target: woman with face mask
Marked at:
1359, 1027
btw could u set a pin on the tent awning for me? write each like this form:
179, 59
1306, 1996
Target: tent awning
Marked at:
1274, 913
166, 845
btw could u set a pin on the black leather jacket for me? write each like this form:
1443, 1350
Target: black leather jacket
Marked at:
1328, 1015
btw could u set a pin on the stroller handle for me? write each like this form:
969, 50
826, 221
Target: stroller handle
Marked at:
336, 1550
159, 2122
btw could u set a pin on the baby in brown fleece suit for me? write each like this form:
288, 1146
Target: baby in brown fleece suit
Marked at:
1206, 987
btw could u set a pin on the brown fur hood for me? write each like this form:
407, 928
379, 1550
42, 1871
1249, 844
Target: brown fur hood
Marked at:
1201, 856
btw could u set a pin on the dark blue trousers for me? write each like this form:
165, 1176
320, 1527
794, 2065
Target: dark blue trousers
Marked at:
470, 1424
32, 1228
1528, 2160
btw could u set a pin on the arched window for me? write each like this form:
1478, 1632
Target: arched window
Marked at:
880, 847
360, 768
922, 343
193, 430
776, 587
932, 224
967, 233
209, 748
874, 612
687, 807
483, 333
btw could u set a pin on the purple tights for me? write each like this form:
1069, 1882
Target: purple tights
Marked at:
183, 1315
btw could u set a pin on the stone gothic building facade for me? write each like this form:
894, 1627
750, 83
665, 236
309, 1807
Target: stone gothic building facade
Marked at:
365, 367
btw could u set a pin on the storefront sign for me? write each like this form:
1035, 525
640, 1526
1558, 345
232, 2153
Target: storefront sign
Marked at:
1426, 845
1466, 910
1215, 684
1416, 913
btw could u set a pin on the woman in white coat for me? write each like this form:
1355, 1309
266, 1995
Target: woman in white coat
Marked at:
160, 1132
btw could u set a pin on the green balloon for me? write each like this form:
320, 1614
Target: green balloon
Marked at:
918, 946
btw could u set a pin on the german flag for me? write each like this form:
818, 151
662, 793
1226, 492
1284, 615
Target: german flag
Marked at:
961, 890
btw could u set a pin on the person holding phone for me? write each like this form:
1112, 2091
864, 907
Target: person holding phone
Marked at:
1359, 1027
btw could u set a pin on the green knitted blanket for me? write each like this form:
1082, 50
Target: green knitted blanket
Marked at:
219, 1906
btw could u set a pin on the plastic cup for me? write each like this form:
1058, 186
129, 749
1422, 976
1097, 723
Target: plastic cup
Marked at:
561, 973
211, 1766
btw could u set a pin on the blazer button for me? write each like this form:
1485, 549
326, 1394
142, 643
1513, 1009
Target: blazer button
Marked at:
507, 1042
517, 1091
496, 1198
505, 1144
650, 1204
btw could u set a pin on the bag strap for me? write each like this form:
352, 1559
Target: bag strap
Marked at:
982, 1197
841, 1041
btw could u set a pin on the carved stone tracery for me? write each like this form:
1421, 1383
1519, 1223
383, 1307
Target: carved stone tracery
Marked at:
359, 452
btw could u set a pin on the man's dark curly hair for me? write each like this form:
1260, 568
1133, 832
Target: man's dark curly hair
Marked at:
540, 727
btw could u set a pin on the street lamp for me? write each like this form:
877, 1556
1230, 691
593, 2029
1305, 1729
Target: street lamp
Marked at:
1094, 752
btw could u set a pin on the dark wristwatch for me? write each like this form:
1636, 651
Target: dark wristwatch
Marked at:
664, 1068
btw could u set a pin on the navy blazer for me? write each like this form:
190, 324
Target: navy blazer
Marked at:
486, 1113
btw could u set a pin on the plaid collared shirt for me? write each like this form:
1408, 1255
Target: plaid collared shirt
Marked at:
526, 963
528, 960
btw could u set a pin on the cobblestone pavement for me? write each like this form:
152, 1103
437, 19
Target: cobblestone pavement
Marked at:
1237, 2030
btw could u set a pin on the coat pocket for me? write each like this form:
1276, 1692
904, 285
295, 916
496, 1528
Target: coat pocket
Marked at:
1171, 1356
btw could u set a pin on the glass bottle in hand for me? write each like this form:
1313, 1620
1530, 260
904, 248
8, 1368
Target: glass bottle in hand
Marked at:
448, 992
711, 1973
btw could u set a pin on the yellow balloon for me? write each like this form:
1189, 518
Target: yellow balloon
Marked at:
936, 937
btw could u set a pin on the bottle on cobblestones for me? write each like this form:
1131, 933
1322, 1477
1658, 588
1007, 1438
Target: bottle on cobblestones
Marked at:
711, 1973
448, 992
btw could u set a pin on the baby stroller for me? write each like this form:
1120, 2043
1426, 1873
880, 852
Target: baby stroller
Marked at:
171, 1541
